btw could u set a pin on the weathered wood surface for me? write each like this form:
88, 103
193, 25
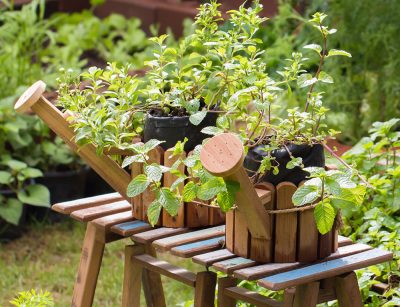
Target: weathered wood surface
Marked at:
88, 202
199, 247
208, 259
159, 233
89, 214
242, 294
325, 269
230, 265
130, 228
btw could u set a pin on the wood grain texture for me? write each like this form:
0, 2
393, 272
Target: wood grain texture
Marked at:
325, 244
170, 242
306, 295
199, 247
230, 230
130, 228
204, 293
251, 297
325, 269
108, 169
208, 259
347, 290
233, 264
241, 236
148, 196
89, 267
285, 225
155, 234
166, 269
307, 248
85, 215
108, 221
223, 299
137, 201
196, 215
70, 206
168, 180
132, 277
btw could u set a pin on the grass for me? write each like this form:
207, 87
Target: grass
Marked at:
47, 258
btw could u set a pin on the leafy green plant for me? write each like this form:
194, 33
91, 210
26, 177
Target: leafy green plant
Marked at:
16, 178
33, 299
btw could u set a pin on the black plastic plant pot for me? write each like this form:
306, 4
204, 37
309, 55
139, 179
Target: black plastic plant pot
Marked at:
10, 231
176, 128
312, 155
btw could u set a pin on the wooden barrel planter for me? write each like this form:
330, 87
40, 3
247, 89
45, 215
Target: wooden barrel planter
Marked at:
264, 231
189, 214
295, 237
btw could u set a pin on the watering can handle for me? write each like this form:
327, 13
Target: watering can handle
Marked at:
107, 168
223, 156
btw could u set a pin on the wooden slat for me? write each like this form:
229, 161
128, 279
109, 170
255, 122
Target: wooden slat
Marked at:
204, 293
199, 247
212, 257
263, 194
85, 215
129, 228
342, 241
264, 270
325, 244
167, 243
70, 206
307, 237
137, 201
241, 235
155, 156
286, 224
325, 269
196, 215
155, 234
230, 230
231, 265
166, 269
108, 221
168, 180
251, 297
215, 216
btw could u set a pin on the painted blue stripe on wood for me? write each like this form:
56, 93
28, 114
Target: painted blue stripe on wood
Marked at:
199, 244
233, 262
322, 270
131, 225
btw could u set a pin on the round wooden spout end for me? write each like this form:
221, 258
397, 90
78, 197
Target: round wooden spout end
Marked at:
30, 97
222, 155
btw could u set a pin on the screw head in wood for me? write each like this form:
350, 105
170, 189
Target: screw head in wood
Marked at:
222, 155
30, 97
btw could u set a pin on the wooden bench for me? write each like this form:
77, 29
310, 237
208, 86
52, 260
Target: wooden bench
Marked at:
304, 284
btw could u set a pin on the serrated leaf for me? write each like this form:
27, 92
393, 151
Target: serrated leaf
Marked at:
225, 201
305, 80
197, 117
314, 47
168, 201
132, 159
36, 195
306, 194
189, 191
212, 130
151, 144
153, 212
211, 188
11, 211
336, 52
324, 77
153, 172
137, 186
294, 162
177, 183
324, 215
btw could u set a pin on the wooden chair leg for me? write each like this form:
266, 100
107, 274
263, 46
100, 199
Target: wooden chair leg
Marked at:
89, 267
132, 277
223, 283
306, 295
347, 291
288, 297
204, 293
152, 285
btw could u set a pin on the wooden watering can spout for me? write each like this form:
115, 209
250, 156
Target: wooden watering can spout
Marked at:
107, 168
223, 156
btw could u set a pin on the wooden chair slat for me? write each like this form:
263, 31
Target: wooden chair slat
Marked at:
110, 220
70, 206
129, 228
251, 297
268, 269
325, 269
342, 241
231, 265
85, 215
166, 269
155, 234
167, 243
212, 257
264, 195
199, 247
